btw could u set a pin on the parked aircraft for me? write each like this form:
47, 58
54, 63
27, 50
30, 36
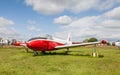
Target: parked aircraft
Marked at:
18, 43
4, 42
49, 43
117, 44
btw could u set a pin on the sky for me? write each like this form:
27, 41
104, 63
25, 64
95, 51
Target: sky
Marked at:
24, 19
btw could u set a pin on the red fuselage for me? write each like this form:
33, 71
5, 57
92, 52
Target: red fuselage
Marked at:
42, 44
18, 43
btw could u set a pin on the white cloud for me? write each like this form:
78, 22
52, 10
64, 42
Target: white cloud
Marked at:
33, 28
114, 14
94, 26
7, 30
105, 4
77, 6
105, 25
52, 7
114, 24
5, 22
63, 20
31, 22
84, 22
46, 6
118, 0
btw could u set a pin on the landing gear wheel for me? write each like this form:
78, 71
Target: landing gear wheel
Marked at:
43, 52
26, 50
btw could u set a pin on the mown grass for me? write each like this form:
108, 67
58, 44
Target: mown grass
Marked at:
14, 61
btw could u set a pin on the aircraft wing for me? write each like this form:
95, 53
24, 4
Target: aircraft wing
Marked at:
75, 45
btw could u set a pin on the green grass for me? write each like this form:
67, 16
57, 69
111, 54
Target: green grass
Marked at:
14, 61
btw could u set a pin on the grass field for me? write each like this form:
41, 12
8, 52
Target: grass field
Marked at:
14, 61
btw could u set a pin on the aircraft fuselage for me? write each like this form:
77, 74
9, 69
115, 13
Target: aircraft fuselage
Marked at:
42, 44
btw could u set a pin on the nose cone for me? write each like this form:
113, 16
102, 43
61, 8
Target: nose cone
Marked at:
28, 44
36, 45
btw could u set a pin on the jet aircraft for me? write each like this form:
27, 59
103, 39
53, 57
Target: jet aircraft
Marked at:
49, 43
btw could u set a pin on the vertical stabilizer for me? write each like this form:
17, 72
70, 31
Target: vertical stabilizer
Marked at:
69, 39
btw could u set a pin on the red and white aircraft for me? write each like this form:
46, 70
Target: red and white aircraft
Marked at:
50, 43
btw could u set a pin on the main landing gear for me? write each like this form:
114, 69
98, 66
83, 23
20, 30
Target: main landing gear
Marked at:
36, 53
67, 51
94, 53
26, 49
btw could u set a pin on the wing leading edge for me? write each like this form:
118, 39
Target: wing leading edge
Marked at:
75, 45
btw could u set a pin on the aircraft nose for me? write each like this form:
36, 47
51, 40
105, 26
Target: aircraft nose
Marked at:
28, 44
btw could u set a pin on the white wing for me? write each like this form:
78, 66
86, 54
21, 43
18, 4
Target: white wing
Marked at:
75, 45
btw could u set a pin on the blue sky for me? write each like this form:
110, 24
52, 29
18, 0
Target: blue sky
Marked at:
23, 19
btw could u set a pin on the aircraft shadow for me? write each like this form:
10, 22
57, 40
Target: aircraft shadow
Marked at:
69, 54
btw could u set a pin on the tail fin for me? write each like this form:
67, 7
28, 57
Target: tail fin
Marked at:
69, 39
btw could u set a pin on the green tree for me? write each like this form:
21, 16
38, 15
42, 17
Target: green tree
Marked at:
92, 40
85, 40
108, 43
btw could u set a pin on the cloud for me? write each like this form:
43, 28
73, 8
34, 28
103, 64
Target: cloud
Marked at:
114, 14
5, 22
77, 6
33, 28
99, 26
7, 31
63, 20
46, 6
31, 22
104, 25
52, 7
106, 4
114, 24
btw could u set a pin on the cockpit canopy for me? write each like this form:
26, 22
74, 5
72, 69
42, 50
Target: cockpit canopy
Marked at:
42, 37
